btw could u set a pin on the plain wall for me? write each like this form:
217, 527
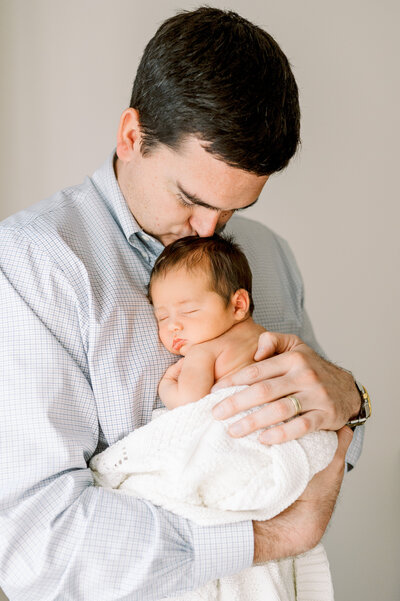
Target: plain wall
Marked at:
66, 75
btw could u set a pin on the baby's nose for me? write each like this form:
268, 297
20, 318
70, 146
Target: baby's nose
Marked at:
174, 326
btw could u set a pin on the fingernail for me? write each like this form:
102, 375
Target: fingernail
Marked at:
219, 411
236, 429
266, 438
216, 387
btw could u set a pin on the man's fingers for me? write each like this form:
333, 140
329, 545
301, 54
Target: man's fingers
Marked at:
271, 414
293, 429
261, 393
274, 343
257, 372
325, 392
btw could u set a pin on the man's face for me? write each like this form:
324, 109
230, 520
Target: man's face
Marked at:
189, 192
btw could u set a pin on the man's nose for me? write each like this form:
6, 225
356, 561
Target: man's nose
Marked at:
204, 221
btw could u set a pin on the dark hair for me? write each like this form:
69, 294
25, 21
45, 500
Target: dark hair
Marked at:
213, 74
220, 258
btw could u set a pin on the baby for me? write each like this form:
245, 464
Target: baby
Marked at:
184, 460
200, 289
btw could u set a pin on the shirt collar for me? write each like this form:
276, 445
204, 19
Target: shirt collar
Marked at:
107, 186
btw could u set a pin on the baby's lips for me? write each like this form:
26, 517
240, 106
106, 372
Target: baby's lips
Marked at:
178, 343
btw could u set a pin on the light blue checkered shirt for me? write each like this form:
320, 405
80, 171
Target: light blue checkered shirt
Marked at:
80, 364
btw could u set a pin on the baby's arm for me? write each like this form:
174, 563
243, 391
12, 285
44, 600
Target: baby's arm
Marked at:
188, 380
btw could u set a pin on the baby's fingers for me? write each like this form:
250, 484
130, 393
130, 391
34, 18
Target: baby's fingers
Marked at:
174, 370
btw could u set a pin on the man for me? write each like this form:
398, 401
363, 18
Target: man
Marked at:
214, 112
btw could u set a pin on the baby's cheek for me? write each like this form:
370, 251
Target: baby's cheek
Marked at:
165, 339
161, 334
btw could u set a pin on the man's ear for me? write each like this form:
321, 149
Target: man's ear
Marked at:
129, 135
240, 302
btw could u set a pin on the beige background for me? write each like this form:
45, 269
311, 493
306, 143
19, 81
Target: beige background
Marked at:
66, 74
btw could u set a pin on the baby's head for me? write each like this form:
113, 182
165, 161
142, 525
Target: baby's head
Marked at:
199, 288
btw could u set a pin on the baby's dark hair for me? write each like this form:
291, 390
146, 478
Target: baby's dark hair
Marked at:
220, 258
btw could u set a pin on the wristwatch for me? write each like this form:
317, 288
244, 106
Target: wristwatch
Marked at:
365, 411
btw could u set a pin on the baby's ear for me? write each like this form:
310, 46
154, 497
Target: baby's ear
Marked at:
241, 303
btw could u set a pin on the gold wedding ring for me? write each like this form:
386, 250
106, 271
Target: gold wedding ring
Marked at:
296, 405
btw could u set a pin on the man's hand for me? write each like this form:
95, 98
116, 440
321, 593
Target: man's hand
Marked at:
301, 526
287, 366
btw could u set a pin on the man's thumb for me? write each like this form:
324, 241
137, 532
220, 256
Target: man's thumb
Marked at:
274, 343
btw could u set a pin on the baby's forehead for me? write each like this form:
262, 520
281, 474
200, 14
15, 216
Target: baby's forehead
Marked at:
199, 273
181, 281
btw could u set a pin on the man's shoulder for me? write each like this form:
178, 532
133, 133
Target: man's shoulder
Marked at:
248, 231
243, 226
277, 282
52, 238
54, 212
259, 242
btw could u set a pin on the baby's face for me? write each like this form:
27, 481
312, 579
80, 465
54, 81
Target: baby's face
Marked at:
187, 311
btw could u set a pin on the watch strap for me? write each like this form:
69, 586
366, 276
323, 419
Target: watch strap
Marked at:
365, 410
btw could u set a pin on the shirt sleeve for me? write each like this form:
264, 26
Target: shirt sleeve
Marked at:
306, 333
62, 537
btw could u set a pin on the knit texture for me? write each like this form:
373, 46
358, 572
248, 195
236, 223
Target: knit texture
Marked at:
185, 461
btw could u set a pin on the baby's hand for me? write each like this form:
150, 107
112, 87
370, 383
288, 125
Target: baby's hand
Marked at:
168, 386
174, 370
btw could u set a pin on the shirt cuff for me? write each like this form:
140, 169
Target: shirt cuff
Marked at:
222, 550
355, 448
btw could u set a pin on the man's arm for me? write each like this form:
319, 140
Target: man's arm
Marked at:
301, 526
62, 537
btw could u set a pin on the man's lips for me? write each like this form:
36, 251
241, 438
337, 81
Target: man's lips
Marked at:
178, 343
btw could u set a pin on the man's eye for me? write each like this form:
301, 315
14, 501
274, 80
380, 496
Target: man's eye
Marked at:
161, 319
193, 311
183, 201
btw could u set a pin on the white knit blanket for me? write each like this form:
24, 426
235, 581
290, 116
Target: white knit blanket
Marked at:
185, 461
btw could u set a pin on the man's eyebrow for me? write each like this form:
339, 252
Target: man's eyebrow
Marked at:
197, 201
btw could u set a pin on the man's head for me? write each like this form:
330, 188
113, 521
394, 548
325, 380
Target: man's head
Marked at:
199, 287
213, 74
214, 111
